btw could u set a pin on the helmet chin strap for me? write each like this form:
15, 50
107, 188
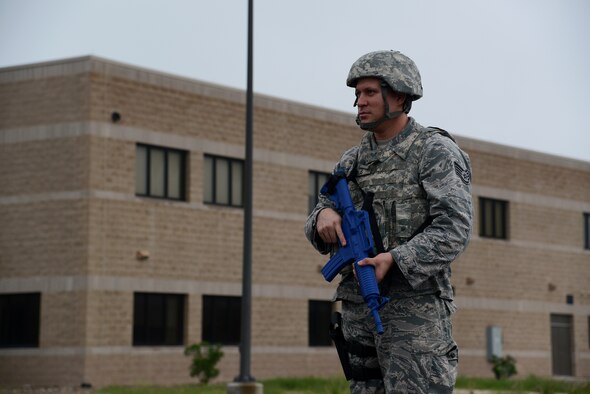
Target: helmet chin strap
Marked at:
370, 126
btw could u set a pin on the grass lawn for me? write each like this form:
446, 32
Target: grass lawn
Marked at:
340, 386
528, 384
271, 386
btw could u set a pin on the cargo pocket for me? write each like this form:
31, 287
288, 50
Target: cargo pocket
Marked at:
443, 373
401, 219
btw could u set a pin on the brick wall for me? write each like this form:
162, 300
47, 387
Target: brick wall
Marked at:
72, 226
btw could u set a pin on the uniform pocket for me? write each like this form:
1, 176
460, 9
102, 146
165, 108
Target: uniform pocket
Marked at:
409, 216
443, 372
401, 222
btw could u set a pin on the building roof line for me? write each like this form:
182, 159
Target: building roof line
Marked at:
97, 64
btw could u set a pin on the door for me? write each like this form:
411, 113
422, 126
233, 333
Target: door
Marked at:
562, 344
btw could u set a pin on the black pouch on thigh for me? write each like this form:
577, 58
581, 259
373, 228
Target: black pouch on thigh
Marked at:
359, 362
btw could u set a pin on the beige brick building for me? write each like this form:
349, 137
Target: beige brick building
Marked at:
121, 234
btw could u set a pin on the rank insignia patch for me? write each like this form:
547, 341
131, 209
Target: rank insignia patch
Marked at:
465, 175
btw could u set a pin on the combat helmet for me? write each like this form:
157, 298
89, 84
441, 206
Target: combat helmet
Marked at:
396, 71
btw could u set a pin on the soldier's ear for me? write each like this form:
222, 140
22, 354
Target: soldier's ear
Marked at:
397, 99
400, 98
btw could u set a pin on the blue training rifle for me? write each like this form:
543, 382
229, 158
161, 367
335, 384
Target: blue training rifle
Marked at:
360, 244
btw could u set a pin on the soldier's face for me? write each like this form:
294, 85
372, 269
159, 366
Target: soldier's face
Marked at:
369, 100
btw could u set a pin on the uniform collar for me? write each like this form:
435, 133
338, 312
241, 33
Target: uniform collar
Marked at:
399, 145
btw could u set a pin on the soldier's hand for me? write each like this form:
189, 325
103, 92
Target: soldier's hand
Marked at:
382, 263
329, 226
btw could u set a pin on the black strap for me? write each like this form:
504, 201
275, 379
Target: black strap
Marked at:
362, 374
361, 350
344, 349
341, 346
368, 207
332, 181
426, 223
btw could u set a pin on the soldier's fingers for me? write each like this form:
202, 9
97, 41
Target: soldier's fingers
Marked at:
332, 236
325, 236
328, 236
340, 235
367, 261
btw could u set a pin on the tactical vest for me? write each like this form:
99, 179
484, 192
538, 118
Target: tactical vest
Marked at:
400, 203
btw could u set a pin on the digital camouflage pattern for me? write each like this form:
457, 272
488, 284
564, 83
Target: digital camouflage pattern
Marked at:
396, 69
415, 180
417, 352
423, 205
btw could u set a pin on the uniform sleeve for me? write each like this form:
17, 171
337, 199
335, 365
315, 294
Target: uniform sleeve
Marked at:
310, 230
445, 175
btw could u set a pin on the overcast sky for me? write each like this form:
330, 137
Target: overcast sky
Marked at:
514, 72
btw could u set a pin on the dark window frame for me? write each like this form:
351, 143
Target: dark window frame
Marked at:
144, 332
215, 199
315, 178
499, 230
183, 172
20, 320
319, 314
221, 319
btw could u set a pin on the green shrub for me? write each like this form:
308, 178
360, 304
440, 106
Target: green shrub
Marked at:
205, 359
504, 367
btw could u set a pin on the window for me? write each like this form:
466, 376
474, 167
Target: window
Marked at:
222, 319
158, 319
315, 182
160, 172
493, 218
224, 181
320, 313
19, 320
586, 230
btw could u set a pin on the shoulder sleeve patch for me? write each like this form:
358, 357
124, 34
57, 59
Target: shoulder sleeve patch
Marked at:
463, 174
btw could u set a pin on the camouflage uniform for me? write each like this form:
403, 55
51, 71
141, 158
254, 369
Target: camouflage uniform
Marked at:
421, 180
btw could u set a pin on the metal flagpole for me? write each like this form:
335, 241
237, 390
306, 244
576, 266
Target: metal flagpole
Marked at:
245, 341
245, 382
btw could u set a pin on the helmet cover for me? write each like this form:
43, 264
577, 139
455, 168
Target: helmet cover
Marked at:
394, 68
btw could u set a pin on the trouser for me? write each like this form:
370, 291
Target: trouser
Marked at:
416, 353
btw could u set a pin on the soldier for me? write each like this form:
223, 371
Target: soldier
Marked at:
421, 182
